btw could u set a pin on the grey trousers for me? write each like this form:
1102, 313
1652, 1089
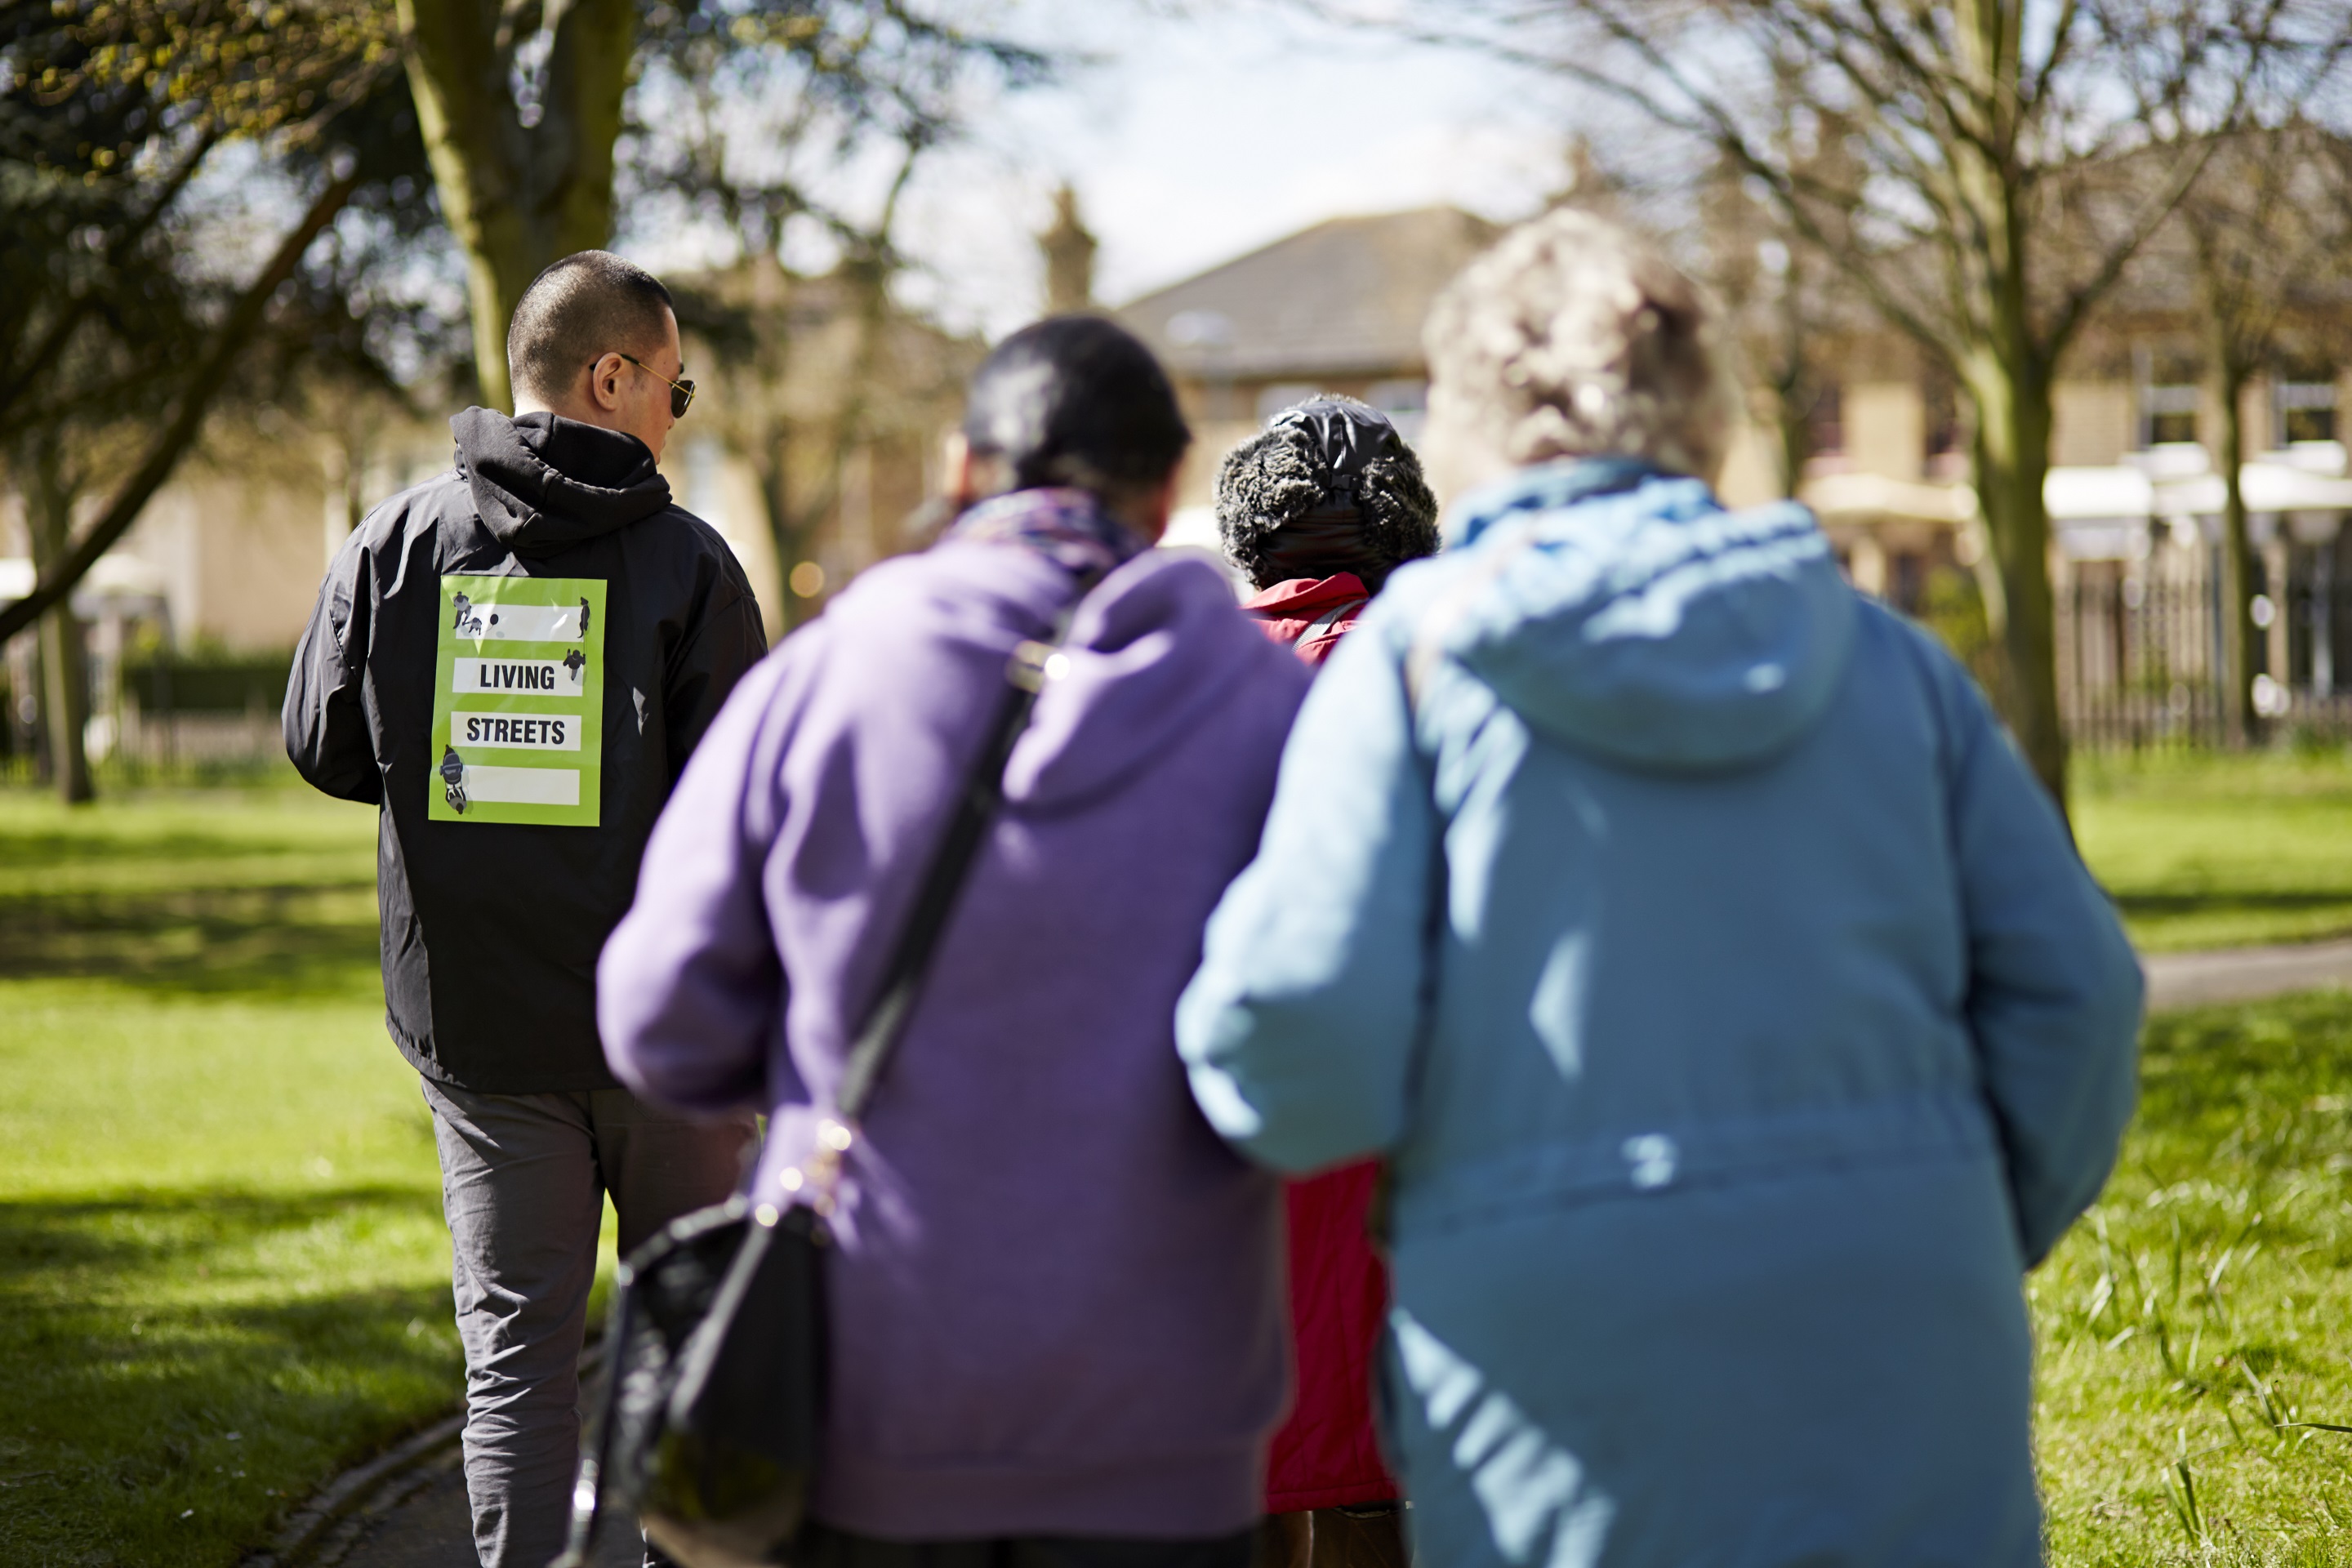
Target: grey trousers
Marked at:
523, 1179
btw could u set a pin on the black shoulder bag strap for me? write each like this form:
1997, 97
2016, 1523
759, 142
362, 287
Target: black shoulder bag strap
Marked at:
1032, 667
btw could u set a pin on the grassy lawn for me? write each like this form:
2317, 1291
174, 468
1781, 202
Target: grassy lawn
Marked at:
222, 1270
2196, 1332
222, 1266
2220, 851
223, 1273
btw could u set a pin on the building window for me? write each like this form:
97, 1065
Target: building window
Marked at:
2304, 393
1222, 402
1906, 584
1406, 402
1825, 423
1940, 407
2169, 398
1273, 399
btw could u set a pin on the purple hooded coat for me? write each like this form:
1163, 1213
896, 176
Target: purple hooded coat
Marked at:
1057, 1301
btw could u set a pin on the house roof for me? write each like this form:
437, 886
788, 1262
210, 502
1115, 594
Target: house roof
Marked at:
1346, 297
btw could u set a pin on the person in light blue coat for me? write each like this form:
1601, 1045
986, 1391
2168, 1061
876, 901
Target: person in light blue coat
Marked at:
1732, 1010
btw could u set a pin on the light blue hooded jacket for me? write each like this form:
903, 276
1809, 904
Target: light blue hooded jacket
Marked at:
1735, 1014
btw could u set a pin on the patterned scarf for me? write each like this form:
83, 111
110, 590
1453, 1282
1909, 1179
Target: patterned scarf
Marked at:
1067, 527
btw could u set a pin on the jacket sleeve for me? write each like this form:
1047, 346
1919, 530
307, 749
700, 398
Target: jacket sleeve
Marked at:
716, 652
324, 718
2055, 990
689, 990
1299, 1031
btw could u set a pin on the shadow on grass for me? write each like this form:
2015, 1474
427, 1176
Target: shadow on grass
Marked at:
2229, 1058
248, 901
283, 939
2278, 901
174, 1386
30, 848
167, 1230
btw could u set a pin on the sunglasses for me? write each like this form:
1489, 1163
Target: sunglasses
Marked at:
681, 393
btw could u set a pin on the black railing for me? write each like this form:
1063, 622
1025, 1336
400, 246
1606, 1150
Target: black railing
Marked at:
2140, 651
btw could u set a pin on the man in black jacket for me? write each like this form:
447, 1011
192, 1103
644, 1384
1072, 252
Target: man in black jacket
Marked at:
514, 662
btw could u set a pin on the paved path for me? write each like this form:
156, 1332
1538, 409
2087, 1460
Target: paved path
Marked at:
406, 1509
430, 1527
2245, 973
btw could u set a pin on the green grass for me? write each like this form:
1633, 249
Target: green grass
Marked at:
2196, 1331
2218, 851
223, 1272
223, 1269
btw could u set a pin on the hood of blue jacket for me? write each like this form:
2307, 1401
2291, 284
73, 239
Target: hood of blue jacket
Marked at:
1622, 610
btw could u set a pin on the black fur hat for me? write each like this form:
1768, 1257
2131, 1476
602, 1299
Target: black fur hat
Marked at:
1327, 487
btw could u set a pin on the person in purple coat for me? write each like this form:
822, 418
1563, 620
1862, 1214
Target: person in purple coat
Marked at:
1058, 1331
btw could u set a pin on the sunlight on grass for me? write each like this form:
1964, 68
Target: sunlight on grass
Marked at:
2220, 851
223, 1268
223, 1271
2196, 1331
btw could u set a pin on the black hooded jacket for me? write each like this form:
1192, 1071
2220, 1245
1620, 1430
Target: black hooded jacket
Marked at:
491, 929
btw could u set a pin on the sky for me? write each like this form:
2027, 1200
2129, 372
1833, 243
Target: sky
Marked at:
1192, 138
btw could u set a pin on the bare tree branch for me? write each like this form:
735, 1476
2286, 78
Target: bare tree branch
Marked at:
75, 311
170, 443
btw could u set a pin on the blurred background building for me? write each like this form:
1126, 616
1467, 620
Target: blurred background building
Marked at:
824, 400
815, 434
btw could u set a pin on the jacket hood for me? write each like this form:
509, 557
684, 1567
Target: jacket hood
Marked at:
1155, 649
543, 483
1622, 610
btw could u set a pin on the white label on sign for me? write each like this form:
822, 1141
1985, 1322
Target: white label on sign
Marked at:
531, 731
524, 677
517, 623
524, 786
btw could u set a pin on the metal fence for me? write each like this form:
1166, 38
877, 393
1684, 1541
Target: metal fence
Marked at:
2140, 649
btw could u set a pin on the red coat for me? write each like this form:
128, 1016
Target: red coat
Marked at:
1327, 1454
1311, 614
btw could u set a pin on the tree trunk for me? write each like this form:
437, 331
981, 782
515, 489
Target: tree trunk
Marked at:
2241, 726
1792, 417
518, 196
2012, 412
64, 669
45, 773
2006, 372
788, 541
1796, 390
768, 435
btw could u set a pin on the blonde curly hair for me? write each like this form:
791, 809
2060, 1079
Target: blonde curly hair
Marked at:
1572, 338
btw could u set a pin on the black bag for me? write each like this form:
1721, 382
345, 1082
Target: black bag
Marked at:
714, 1395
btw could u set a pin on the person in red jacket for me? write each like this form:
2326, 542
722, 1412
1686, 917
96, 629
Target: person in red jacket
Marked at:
1316, 510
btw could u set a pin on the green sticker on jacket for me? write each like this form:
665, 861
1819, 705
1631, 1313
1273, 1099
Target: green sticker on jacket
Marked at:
519, 701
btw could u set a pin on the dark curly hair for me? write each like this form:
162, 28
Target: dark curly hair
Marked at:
1331, 461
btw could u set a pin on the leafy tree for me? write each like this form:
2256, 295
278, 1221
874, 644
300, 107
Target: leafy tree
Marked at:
523, 106
112, 114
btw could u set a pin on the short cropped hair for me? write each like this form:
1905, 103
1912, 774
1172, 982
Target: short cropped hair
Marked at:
1571, 338
1077, 401
588, 305
1284, 473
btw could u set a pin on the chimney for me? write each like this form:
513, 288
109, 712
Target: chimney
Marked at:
1069, 252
